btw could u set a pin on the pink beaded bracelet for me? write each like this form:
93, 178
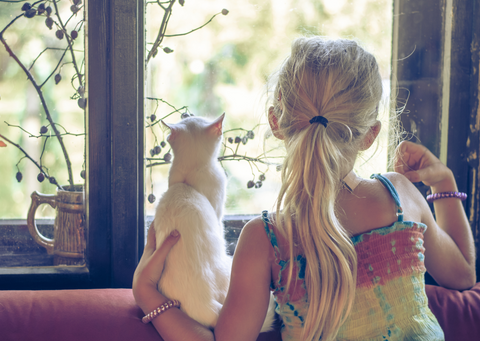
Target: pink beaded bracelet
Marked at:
459, 195
161, 309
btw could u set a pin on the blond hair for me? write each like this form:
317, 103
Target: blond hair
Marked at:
339, 80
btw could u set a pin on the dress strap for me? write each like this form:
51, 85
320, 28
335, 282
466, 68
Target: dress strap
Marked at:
270, 233
387, 183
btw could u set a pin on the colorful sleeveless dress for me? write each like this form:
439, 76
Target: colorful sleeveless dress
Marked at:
390, 300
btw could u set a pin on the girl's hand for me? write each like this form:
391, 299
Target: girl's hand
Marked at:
150, 268
417, 164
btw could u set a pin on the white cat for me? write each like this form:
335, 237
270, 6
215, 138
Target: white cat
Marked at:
197, 270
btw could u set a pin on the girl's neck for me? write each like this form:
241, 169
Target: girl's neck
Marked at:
351, 181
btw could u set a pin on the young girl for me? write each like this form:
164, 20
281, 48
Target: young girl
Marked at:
345, 256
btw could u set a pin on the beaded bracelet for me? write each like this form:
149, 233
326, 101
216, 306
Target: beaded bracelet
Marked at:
459, 195
161, 309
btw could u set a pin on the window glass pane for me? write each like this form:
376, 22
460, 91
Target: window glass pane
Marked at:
223, 66
42, 105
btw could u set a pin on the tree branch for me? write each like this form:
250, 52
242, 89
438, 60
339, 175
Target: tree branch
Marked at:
44, 104
195, 29
69, 41
51, 179
161, 31
55, 69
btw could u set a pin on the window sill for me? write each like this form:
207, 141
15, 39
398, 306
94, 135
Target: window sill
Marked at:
19, 254
44, 270
17, 247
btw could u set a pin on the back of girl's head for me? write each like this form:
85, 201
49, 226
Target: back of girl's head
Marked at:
340, 81
336, 79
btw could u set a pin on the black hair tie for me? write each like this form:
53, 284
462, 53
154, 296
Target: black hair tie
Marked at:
319, 119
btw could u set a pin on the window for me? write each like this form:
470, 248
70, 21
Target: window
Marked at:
42, 85
114, 155
223, 68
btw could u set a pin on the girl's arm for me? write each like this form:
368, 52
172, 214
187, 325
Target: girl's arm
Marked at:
247, 300
449, 245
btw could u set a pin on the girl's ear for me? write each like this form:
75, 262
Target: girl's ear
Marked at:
173, 133
371, 135
273, 121
215, 127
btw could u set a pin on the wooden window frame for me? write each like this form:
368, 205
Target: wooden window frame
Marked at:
435, 63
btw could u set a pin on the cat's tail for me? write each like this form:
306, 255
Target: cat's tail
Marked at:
270, 318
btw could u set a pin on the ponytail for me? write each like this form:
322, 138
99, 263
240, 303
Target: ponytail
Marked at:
308, 194
339, 81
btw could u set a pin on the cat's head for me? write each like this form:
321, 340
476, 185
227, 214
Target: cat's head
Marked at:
195, 139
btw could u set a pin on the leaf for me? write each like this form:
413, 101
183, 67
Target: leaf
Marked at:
2, 144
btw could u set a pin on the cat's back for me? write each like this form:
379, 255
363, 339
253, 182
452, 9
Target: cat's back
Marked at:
197, 269
181, 197
186, 210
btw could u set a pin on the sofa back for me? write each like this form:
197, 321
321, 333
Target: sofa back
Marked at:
111, 314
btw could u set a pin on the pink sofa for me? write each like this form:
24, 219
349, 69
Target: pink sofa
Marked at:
111, 314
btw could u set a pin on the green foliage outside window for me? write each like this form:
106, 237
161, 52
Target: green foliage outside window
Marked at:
219, 68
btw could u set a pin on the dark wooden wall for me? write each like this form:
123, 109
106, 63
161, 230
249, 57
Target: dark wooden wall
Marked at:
435, 64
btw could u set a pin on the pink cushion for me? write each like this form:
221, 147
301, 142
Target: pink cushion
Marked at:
111, 314
77, 315
83, 315
457, 312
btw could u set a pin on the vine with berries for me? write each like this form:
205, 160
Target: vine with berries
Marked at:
234, 139
49, 11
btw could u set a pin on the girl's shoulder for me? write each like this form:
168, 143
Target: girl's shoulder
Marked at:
411, 199
398, 180
372, 205
253, 228
262, 229
263, 232
254, 244
404, 187
254, 236
401, 185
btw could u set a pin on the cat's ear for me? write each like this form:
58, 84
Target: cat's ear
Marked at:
216, 126
173, 133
